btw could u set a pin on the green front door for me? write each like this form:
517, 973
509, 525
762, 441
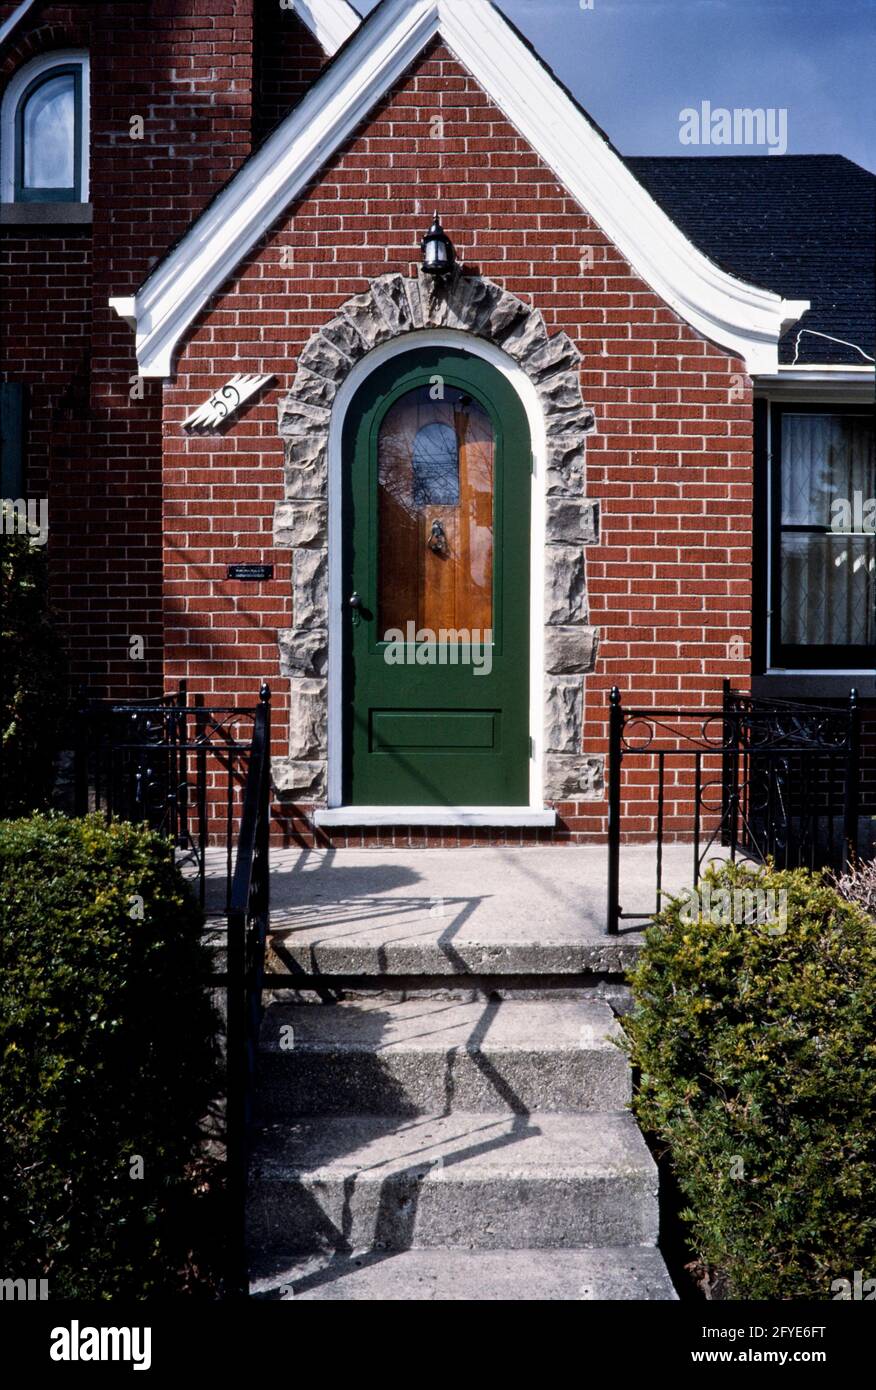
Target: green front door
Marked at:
436, 504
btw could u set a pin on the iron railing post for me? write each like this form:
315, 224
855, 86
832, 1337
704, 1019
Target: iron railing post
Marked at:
247, 928
81, 742
235, 1103
851, 784
615, 734
265, 798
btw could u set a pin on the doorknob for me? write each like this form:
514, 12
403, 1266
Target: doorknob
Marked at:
355, 603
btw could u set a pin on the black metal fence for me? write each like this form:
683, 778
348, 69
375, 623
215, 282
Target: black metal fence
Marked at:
201, 774
755, 779
179, 766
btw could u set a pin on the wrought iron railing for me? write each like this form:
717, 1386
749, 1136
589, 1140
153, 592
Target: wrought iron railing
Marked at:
755, 779
248, 920
187, 770
179, 766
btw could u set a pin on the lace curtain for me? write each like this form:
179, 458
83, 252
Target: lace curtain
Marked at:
828, 476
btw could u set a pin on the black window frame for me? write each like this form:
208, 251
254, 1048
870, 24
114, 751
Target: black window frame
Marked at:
784, 655
22, 194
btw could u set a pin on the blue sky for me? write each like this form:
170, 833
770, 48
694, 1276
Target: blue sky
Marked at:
635, 64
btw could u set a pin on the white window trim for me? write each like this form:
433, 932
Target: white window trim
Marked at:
834, 383
789, 398
15, 89
519, 381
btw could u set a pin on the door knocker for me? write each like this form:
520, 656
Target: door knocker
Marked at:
437, 541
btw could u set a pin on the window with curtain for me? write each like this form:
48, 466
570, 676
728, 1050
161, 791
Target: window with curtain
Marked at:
824, 546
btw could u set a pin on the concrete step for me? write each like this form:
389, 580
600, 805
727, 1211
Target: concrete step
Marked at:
427, 1056
488, 912
475, 1276
482, 1181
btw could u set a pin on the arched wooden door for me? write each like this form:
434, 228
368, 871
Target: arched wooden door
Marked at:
436, 513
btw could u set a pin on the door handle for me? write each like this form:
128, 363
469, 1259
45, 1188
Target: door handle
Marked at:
355, 603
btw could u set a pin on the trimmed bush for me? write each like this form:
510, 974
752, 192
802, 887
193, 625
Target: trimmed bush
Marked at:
107, 1059
756, 1044
32, 695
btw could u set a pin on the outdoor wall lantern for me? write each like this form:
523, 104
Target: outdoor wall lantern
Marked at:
438, 252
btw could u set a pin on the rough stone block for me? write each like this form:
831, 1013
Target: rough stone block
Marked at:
310, 588
322, 356
308, 737
297, 417
558, 354
566, 466
570, 650
415, 307
391, 299
579, 420
342, 333
295, 777
560, 392
505, 313
572, 520
573, 777
565, 585
527, 336
367, 320
315, 390
305, 473
564, 714
303, 651
300, 524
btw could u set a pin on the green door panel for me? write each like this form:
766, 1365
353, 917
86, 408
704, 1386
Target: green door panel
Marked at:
439, 729
436, 715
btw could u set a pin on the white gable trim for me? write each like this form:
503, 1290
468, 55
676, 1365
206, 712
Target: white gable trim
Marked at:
7, 29
742, 318
330, 21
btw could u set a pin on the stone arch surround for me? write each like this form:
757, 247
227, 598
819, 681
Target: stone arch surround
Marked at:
392, 306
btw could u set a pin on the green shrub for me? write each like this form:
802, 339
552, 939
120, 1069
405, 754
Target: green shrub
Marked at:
757, 1051
32, 685
107, 1055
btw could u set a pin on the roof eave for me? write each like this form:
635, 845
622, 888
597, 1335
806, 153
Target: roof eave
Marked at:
744, 319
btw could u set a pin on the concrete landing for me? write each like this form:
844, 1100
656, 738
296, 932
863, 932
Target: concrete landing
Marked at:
472, 1276
483, 911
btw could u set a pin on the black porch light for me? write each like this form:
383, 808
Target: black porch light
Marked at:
438, 253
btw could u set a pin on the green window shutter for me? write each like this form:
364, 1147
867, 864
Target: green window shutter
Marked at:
12, 429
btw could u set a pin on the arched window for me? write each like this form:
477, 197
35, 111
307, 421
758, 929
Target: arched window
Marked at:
45, 131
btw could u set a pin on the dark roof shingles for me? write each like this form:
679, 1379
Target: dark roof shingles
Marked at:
803, 226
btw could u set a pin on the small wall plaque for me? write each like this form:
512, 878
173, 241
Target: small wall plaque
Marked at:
250, 572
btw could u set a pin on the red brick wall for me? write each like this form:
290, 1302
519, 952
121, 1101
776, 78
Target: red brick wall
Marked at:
287, 59
185, 66
671, 462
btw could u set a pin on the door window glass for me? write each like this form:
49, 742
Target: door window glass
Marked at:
435, 514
